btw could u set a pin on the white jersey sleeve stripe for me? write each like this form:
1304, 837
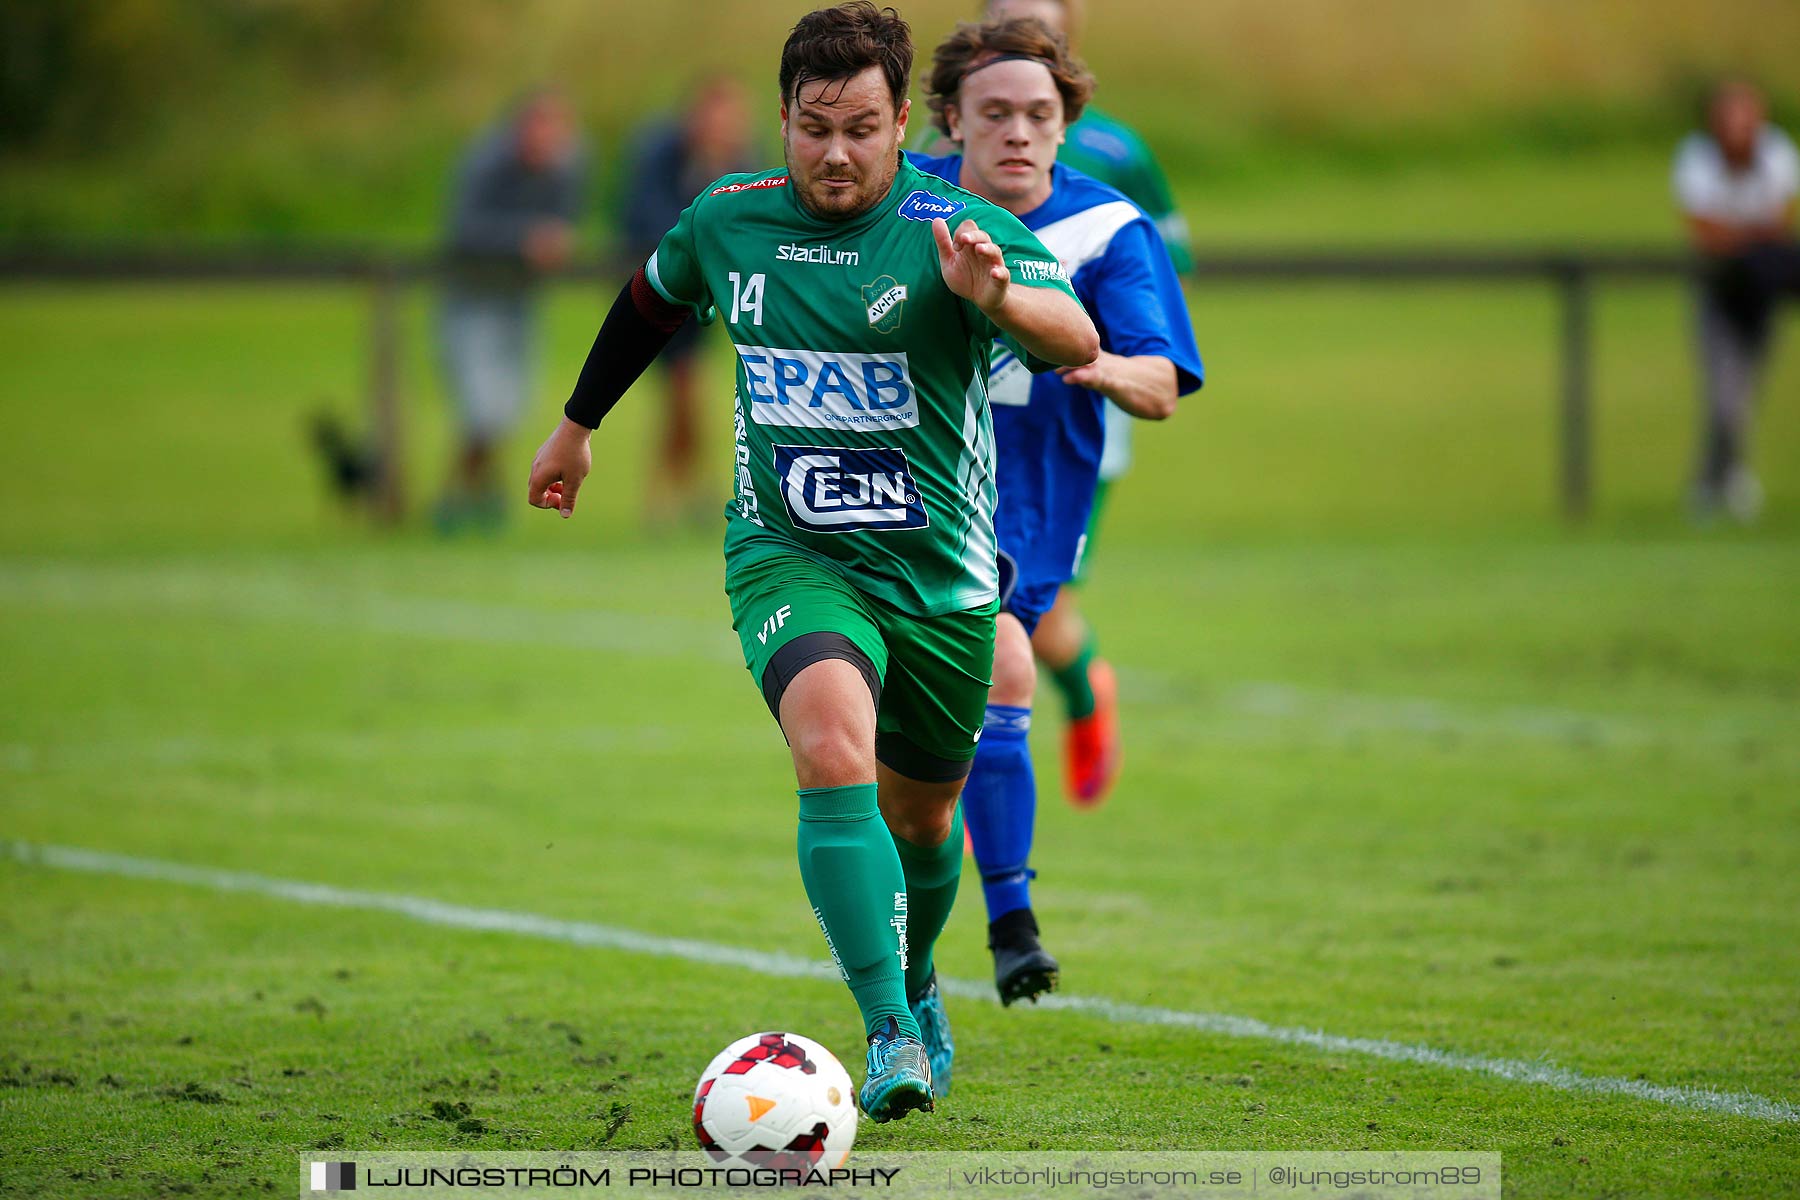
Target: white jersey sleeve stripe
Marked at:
656, 282
1080, 239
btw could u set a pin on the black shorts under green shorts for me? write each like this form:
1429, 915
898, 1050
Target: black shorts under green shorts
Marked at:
929, 675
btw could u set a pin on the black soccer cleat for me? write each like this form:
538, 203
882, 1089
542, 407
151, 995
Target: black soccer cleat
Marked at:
1023, 969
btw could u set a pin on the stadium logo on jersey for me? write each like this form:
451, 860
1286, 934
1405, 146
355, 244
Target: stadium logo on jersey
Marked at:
832, 489
923, 206
1033, 270
752, 186
817, 254
805, 389
884, 299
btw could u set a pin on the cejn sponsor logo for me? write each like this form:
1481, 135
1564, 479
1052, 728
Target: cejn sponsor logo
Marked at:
923, 206
834, 489
807, 389
754, 185
1034, 270
824, 255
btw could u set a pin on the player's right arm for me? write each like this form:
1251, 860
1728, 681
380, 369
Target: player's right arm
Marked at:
646, 314
636, 329
1137, 296
1145, 385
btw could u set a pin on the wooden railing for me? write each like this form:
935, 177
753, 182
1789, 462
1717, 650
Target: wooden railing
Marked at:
1570, 274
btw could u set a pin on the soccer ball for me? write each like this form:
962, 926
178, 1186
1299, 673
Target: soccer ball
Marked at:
775, 1100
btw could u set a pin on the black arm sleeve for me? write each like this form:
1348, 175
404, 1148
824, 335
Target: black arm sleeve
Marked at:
636, 329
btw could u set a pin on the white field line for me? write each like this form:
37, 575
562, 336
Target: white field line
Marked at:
762, 962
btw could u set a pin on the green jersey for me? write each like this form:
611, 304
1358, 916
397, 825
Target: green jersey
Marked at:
863, 432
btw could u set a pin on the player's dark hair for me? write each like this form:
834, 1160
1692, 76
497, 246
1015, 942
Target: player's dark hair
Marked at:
832, 44
973, 46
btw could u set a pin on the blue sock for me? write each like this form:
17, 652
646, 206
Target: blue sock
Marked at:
1000, 806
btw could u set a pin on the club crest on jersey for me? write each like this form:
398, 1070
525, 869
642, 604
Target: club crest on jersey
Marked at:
884, 299
923, 206
833, 489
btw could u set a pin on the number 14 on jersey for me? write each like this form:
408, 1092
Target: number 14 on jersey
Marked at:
747, 297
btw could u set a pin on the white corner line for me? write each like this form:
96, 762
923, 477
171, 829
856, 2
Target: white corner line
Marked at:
763, 962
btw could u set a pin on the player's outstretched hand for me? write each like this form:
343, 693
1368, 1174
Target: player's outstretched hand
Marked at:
974, 266
562, 462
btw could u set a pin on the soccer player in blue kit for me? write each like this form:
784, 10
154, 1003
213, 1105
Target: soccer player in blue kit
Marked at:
1004, 92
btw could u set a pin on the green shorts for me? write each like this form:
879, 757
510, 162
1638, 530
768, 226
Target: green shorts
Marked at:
929, 675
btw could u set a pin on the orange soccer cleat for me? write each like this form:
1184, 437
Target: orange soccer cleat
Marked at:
1091, 743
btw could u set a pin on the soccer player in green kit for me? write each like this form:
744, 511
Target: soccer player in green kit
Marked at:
859, 547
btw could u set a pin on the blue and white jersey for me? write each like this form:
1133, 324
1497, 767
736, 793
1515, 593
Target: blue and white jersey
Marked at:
1049, 435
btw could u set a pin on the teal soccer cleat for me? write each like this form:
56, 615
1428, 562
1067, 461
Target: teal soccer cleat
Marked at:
899, 1075
934, 1027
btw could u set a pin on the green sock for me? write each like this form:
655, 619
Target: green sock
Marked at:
858, 892
1072, 682
931, 878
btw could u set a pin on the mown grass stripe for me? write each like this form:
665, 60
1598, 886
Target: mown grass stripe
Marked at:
764, 962
265, 599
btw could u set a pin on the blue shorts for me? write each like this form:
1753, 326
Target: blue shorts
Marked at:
1028, 600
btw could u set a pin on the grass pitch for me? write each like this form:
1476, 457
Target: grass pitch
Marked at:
1406, 761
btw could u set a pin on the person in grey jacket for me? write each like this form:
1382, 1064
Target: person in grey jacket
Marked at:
673, 157
517, 196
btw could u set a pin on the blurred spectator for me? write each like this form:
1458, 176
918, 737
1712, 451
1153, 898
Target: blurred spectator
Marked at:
672, 159
517, 195
1736, 184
